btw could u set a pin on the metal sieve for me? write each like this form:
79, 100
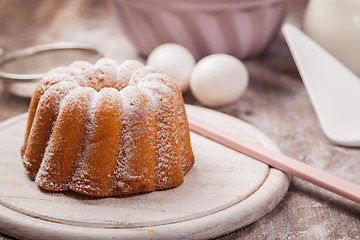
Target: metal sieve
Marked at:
21, 70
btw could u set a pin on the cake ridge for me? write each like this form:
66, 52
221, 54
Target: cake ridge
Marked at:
61, 154
134, 120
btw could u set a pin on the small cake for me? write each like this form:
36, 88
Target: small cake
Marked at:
107, 129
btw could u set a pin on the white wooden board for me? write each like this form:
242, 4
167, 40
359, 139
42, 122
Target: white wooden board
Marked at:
224, 191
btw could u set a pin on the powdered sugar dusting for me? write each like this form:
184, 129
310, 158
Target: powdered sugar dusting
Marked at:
80, 179
140, 74
102, 74
80, 65
137, 144
132, 65
61, 153
123, 76
188, 160
124, 72
169, 169
152, 110
42, 127
62, 74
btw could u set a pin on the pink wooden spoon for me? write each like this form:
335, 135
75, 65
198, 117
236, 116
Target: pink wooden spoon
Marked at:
299, 169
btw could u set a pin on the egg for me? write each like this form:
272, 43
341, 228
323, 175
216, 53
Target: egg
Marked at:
175, 61
218, 80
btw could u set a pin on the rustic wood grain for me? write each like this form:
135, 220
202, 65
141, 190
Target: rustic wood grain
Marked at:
276, 103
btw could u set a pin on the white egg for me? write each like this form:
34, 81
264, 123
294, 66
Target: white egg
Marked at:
175, 61
218, 80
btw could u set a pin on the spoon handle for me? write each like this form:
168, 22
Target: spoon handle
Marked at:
299, 169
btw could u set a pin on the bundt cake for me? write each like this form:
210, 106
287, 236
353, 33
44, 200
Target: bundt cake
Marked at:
107, 129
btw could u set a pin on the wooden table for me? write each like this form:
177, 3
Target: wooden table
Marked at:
275, 102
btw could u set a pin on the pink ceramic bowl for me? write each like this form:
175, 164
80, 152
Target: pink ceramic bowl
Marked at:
242, 28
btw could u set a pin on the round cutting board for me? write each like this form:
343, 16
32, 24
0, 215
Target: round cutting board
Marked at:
223, 192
